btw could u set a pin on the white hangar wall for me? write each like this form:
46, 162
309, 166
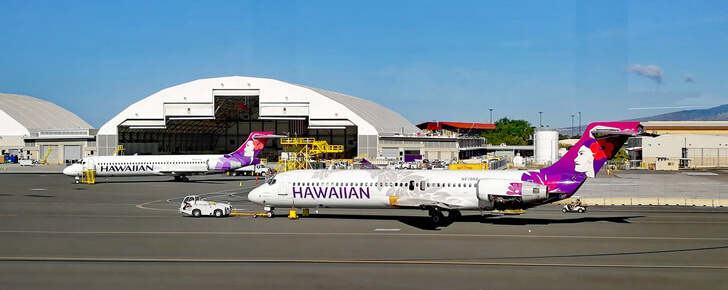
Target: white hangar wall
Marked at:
277, 101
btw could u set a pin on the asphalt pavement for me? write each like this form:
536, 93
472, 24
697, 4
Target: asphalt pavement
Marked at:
126, 233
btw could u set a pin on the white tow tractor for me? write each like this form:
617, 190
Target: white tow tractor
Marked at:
192, 205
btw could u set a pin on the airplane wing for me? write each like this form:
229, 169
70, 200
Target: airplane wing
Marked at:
181, 172
418, 203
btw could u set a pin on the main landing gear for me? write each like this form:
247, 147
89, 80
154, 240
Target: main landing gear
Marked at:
181, 178
437, 218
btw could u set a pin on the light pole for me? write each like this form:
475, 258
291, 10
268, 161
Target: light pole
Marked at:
491, 115
572, 125
540, 119
579, 122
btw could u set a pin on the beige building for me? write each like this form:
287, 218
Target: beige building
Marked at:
687, 144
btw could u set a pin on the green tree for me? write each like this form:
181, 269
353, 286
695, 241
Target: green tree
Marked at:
511, 132
621, 157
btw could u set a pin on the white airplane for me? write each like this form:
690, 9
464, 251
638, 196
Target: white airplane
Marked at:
503, 191
179, 166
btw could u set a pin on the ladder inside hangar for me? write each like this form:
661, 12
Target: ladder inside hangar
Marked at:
300, 151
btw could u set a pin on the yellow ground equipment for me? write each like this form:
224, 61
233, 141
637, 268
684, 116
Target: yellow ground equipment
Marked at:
292, 214
299, 152
88, 177
119, 150
472, 166
48, 153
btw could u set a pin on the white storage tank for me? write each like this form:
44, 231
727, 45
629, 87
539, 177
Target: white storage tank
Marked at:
546, 144
519, 161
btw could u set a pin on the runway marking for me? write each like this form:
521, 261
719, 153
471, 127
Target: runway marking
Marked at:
94, 216
386, 230
221, 192
66, 203
358, 234
37, 189
332, 261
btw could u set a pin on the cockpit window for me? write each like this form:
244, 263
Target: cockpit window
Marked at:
271, 181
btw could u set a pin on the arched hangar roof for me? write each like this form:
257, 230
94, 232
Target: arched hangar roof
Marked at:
23, 115
278, 100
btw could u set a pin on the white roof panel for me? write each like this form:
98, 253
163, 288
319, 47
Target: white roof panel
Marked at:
35, 114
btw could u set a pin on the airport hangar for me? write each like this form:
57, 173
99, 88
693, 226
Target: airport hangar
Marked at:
40, 130
216, 115
681, 145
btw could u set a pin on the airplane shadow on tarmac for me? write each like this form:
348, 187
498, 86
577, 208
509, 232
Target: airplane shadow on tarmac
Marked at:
207, 181
424, 223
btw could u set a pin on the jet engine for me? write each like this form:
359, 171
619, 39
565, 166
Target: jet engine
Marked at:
504, 194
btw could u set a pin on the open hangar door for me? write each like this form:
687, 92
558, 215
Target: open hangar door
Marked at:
194, 135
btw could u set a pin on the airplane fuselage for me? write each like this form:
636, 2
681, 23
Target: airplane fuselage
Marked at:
453, 189
150, 165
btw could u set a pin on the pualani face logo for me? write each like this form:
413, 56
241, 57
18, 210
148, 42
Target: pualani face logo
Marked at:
126, 168
331, 192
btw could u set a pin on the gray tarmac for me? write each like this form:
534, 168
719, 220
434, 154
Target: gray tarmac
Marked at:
126, 233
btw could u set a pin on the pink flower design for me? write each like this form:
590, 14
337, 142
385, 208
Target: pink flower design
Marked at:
515, 188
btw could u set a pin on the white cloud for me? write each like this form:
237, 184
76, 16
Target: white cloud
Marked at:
649, 71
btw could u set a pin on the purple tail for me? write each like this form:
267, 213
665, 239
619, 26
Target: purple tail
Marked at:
247, 154
600, 142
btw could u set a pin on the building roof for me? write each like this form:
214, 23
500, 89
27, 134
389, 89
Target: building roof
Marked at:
36, 114
383, 119
455, 125
278, 100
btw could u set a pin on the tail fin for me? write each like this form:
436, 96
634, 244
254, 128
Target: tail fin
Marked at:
248, 151
600, 142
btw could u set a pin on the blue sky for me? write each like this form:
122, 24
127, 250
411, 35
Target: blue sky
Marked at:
427, 60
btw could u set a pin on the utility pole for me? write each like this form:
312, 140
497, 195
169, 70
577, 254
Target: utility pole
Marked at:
579, 122
491, 115
540, 120
572, 125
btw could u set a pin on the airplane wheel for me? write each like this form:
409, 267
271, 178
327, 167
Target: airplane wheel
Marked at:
563, 210
270, 214
77, 181
436, 217
218, 213
196, 213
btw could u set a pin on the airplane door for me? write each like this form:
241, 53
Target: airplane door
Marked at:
284, 187
90, 165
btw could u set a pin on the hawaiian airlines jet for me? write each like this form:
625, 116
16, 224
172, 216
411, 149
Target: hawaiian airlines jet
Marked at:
507, 191
179, 166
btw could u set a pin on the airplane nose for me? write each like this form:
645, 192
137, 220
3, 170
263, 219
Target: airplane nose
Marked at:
71, 170
254, 196
68, 170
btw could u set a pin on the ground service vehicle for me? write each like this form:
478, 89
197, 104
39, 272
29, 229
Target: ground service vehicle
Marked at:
574, 206
257, 169
193, 205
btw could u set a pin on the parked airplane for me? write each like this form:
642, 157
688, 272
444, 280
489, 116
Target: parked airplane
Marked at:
179, 166
507, 191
